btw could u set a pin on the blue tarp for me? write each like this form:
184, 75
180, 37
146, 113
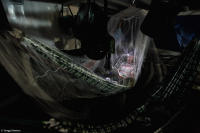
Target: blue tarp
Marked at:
187, 28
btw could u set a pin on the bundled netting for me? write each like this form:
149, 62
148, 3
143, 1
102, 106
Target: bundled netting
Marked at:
66, 86
60, 81
158, 107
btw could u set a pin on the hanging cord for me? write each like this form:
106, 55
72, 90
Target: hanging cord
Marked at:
70, 11
132, 2
89, 10
108, 56
62, 9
